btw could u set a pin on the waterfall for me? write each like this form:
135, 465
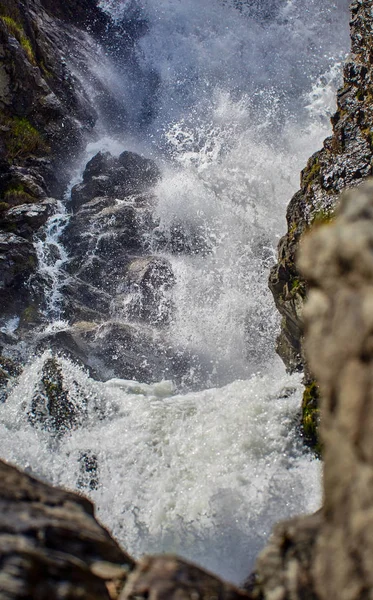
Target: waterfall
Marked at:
229, 98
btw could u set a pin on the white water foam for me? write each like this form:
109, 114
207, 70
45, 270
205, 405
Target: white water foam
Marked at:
204, 474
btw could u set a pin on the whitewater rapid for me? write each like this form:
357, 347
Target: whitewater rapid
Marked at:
230, 99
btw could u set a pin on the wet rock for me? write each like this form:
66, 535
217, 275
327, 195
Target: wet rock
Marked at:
89, 471
329, 555
51, 546
17, 262
26, 219
148, 281
9, 370
171, 578
84, 302
345, 160
112, 232
127, 175
125, 351
51, 406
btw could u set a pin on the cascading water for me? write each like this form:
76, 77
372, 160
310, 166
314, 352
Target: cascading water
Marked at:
230, 98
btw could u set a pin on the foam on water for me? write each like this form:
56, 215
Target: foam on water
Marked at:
203, 474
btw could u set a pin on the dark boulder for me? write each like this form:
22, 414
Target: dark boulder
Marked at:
51, 406
51, 545
148, 281
17, 262
129, 174
125, 351
26, 219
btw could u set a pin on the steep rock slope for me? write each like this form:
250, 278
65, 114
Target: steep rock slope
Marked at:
46, 115
329, 555
344, 161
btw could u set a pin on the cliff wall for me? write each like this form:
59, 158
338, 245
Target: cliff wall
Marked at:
344, 161
329, 554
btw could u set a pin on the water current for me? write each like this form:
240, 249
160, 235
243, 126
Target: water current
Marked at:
230, 98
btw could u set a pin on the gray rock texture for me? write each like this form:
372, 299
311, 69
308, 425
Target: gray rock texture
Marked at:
329, 555
170, 578
344, 161
51, 546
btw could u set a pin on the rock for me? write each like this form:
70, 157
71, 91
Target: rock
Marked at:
129, 174
9, 370
112, 231
345, 160
17, 262
26, 219
171, 578
51, 406
115, 349
148, 281
329, 555
51, 546
284, 568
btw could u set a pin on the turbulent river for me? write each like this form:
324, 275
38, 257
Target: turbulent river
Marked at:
230, 98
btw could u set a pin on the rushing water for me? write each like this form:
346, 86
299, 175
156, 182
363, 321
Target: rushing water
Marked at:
231, 98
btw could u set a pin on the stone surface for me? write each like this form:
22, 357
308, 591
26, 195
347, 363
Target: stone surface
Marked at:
51, 546
344, 161
17, 262
329, 555
125, 351
170, 578
129, 174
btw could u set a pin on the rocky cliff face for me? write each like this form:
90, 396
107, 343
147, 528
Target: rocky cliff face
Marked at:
344, 161
328, 555
46, 114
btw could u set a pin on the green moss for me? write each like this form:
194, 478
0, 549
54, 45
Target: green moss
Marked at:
298, 286
322, 216
16, 30
360, 95
18, 194
311, 173
22, 139
368, 134
30, 314
8, 8
4, 206
311, 417
46, 72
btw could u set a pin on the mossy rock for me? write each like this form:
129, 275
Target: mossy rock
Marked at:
9, 366
311, 416
51, 406
15, 29
18, 194
312, 172
22, 139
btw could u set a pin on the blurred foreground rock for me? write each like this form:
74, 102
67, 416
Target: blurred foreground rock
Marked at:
330, 555
51, 546
170, 578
